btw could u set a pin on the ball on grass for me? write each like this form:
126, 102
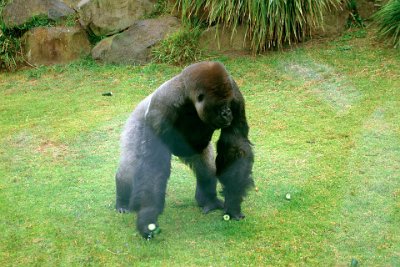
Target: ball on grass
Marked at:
288, 196
154, 229
151, 227
226, 217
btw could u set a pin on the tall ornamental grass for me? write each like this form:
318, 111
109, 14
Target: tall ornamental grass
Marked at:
269, 23
388, 21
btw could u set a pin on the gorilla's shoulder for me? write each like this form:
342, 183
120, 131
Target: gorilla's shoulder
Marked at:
170, 94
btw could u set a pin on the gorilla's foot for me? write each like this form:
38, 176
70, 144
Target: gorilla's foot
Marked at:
123, 210
153, 230
147, 222
150, 231
213, 205
122, 206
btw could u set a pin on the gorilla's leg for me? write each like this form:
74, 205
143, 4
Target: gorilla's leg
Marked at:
234, 163
204, 168
150, 182
148, 199
124, 180
142, 176
128, 166
235, 183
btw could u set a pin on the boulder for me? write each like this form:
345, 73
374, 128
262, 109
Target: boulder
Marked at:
72, 3
366, 8
222, 39
133, 46
107, 17
55, 45
335, 21
19, 12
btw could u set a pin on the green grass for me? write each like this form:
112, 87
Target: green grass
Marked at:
325, 125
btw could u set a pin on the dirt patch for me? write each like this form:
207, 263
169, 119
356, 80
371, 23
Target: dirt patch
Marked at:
55, 150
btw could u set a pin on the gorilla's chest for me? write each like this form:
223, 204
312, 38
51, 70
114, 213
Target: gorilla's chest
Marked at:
188, 134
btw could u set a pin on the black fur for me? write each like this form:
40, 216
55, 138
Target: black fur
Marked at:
179, 118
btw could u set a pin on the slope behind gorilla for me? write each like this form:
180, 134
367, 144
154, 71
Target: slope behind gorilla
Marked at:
179, 118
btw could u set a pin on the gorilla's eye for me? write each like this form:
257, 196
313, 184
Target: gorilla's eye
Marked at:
200, 97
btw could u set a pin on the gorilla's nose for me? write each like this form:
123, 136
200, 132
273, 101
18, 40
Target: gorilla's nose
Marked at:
226, 114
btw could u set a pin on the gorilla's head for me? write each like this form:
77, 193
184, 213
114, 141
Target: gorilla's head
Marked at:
209, 87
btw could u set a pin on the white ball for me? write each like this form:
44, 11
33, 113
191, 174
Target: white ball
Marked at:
152, 227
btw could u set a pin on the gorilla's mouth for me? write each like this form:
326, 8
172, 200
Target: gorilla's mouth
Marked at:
222, 124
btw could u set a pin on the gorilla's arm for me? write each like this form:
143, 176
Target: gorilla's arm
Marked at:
235, 158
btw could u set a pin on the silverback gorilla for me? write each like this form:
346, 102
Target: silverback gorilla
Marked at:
179, 118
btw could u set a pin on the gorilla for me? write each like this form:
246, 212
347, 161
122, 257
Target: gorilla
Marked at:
179, 118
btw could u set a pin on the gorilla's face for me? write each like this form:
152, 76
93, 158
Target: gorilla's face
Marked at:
210, 89
215, 113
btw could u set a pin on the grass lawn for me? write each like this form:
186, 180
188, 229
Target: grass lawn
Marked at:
325, 123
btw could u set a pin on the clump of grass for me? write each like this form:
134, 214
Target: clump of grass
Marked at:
160, 7
10, 52
179, 48
388, 21
269, 24
354, 19
10, 47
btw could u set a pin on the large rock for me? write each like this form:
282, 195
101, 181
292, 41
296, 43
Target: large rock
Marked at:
133, 46
106, 17
72, 3
366, 8
19, 12
55, 45
335, 21
222, 39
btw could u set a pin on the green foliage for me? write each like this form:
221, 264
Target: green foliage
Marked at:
160, 7
3, 3
10, 47
388, 21
36, 21
269, 23
69, 21
354, 19
179, 48
93, 38
10, 52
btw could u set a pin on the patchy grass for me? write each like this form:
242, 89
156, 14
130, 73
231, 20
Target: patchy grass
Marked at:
325, 124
